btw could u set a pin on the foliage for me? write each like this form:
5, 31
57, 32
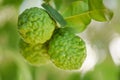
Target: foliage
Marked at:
78, 13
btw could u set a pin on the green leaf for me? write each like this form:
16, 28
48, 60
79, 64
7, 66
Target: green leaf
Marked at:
78, 22
58, 4
78, 13
15, 3
76, 8
98, 11
62, 4
54, 14
77, 16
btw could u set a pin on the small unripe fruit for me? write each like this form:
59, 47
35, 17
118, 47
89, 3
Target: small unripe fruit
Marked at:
67, 51
35, 26
34, 54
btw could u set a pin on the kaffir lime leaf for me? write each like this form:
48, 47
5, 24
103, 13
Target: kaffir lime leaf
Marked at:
67, 51
35, 26
34, 54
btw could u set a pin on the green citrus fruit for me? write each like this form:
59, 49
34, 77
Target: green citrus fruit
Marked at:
35, 26
67, 51
34, 54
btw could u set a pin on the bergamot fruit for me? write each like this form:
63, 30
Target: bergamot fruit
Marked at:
67, 51
34, 54
35, 25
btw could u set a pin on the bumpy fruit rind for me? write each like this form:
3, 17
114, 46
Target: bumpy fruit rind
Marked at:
67, 51
35, 26
34, 54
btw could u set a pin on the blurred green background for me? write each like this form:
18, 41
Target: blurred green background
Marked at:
13, 67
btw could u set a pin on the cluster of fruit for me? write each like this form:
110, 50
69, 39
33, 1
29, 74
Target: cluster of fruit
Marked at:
43, 42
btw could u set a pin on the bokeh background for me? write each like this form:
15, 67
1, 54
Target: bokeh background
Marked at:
102, 40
